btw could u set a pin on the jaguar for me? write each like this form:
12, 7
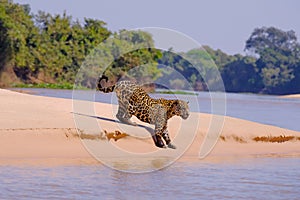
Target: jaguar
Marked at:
134, 100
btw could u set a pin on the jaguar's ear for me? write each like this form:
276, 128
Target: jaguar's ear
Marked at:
187, 102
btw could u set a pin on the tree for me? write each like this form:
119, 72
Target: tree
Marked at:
140, 64
277, 71
64, 44
53, 52
241, 75
273, 38
278, 53
219, 57
94, 33
128, 55
179, 68
17, 33
294, 85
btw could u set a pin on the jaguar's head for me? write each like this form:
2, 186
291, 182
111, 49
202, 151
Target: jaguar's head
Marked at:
181, 108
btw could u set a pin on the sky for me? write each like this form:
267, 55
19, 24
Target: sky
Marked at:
221, 24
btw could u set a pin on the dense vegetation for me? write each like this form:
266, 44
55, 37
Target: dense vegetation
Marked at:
47, 50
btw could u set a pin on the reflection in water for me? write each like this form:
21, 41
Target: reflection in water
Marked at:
151, 163
160, 163
271, 178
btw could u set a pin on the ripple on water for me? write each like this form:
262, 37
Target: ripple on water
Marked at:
272, 178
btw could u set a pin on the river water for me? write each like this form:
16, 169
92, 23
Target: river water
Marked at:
260, 178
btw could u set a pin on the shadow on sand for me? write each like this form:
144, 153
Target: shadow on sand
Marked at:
149, 129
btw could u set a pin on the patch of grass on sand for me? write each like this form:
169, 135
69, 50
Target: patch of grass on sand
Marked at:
222, 138
234, 138
238, 139
278, 139
103, 135
91, 136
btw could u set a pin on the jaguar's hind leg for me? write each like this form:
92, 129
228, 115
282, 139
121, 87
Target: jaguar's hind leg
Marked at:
124, 116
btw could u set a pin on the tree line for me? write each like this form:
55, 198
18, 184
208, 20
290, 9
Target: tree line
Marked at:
271, 64
45, 48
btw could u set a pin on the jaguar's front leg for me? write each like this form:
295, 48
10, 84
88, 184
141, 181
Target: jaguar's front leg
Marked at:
166, 137
158, 141
157, 137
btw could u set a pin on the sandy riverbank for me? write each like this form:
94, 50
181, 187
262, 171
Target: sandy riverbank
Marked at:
291, 96
38, 130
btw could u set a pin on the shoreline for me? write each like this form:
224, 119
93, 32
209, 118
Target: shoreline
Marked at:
36, 130
291, 96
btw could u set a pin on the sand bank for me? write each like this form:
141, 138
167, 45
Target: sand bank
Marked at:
291, 96
38, 130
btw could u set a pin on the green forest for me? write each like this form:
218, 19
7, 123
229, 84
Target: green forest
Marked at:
45, 50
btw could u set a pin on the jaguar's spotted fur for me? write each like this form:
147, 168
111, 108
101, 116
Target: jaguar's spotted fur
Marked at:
133, 100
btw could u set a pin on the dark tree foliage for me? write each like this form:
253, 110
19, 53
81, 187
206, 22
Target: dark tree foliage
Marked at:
278, 57
272, 38
241, 75
51, 48
46, 48
43, 47
180, 68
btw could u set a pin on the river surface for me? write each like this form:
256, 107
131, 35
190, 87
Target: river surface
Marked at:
260, 178
266, 109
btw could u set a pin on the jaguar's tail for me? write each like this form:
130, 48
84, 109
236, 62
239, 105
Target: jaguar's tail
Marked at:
107, 89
